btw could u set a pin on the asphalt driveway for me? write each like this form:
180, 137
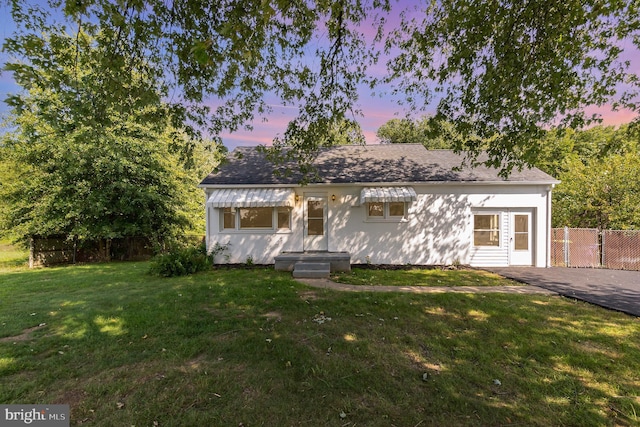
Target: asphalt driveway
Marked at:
614, 289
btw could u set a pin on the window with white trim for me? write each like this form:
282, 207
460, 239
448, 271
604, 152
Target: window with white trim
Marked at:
386, 210
269, 218
486, 229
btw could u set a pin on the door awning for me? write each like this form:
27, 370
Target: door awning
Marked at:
387, 194
252, 197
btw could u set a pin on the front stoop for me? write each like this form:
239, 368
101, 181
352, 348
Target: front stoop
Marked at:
338, 261
311, 270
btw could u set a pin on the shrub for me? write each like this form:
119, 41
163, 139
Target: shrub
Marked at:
182, 261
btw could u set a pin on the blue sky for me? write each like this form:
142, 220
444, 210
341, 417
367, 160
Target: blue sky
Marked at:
376, 108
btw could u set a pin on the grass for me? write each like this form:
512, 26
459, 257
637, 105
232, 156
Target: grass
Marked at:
254, 347
421, 277
12, 256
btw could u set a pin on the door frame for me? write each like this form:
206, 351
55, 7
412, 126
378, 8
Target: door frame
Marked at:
315, 243
520, 257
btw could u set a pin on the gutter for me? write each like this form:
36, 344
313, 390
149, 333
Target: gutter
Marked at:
381, 184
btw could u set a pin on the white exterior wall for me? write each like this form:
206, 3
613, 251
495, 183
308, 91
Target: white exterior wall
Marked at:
261, 246
438, 228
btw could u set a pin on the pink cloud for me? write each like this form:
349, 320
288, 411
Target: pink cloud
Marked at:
611, 117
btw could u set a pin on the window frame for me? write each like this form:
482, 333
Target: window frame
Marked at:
499, 229
386, 212
275, 220
260, 210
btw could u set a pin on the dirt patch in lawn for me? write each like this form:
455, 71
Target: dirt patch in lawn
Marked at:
24, 336
308, 295
273, 315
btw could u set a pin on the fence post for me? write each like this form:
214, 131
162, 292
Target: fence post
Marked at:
32, 252
566, 246
603, 258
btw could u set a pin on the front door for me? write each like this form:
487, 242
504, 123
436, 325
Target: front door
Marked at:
315, 223
521, 239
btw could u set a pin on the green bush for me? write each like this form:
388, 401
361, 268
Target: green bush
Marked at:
182, 261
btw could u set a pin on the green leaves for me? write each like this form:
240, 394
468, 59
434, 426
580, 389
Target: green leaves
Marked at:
220, 60
598, 169
507, 69
93, 153
498, 72
428, 131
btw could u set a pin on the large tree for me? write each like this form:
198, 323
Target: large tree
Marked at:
91, 151
498, 70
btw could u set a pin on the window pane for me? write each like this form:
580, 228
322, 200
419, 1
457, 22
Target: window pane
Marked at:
284, 218
315, 209
315, 227
485, 222
486, 230
486, 238
522, 223
396, 209
522, 241
256, 217
376, 209
229, 218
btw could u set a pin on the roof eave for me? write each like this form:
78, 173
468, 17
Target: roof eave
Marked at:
369, 184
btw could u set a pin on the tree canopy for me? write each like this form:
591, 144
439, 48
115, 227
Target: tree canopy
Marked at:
499, 71
506, 70
431, 133
92, 152
602, 193
598, 169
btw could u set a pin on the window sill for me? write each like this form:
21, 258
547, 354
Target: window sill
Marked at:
387, 220
255, 231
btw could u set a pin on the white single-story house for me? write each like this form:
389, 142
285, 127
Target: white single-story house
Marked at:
380, 204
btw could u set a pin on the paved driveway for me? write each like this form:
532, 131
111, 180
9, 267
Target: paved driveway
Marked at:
615, 289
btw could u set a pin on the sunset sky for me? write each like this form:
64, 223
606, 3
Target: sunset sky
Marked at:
376, 108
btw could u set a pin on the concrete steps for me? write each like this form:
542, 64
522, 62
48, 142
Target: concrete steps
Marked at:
338, 261
311, 270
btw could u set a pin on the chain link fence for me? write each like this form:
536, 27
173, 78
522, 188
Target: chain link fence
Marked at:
621, 249
590, 247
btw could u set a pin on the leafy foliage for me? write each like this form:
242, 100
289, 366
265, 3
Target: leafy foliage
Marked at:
181, 262
92, 152
505, 70
499, 71
427, 131
602, 193
598, 168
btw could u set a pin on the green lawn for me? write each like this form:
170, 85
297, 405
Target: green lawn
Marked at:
12, 256
421, 277
254, 347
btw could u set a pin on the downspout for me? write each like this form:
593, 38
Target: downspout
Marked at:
548, 256
207, 221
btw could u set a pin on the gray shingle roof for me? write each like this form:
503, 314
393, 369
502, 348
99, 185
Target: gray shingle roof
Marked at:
393, 163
